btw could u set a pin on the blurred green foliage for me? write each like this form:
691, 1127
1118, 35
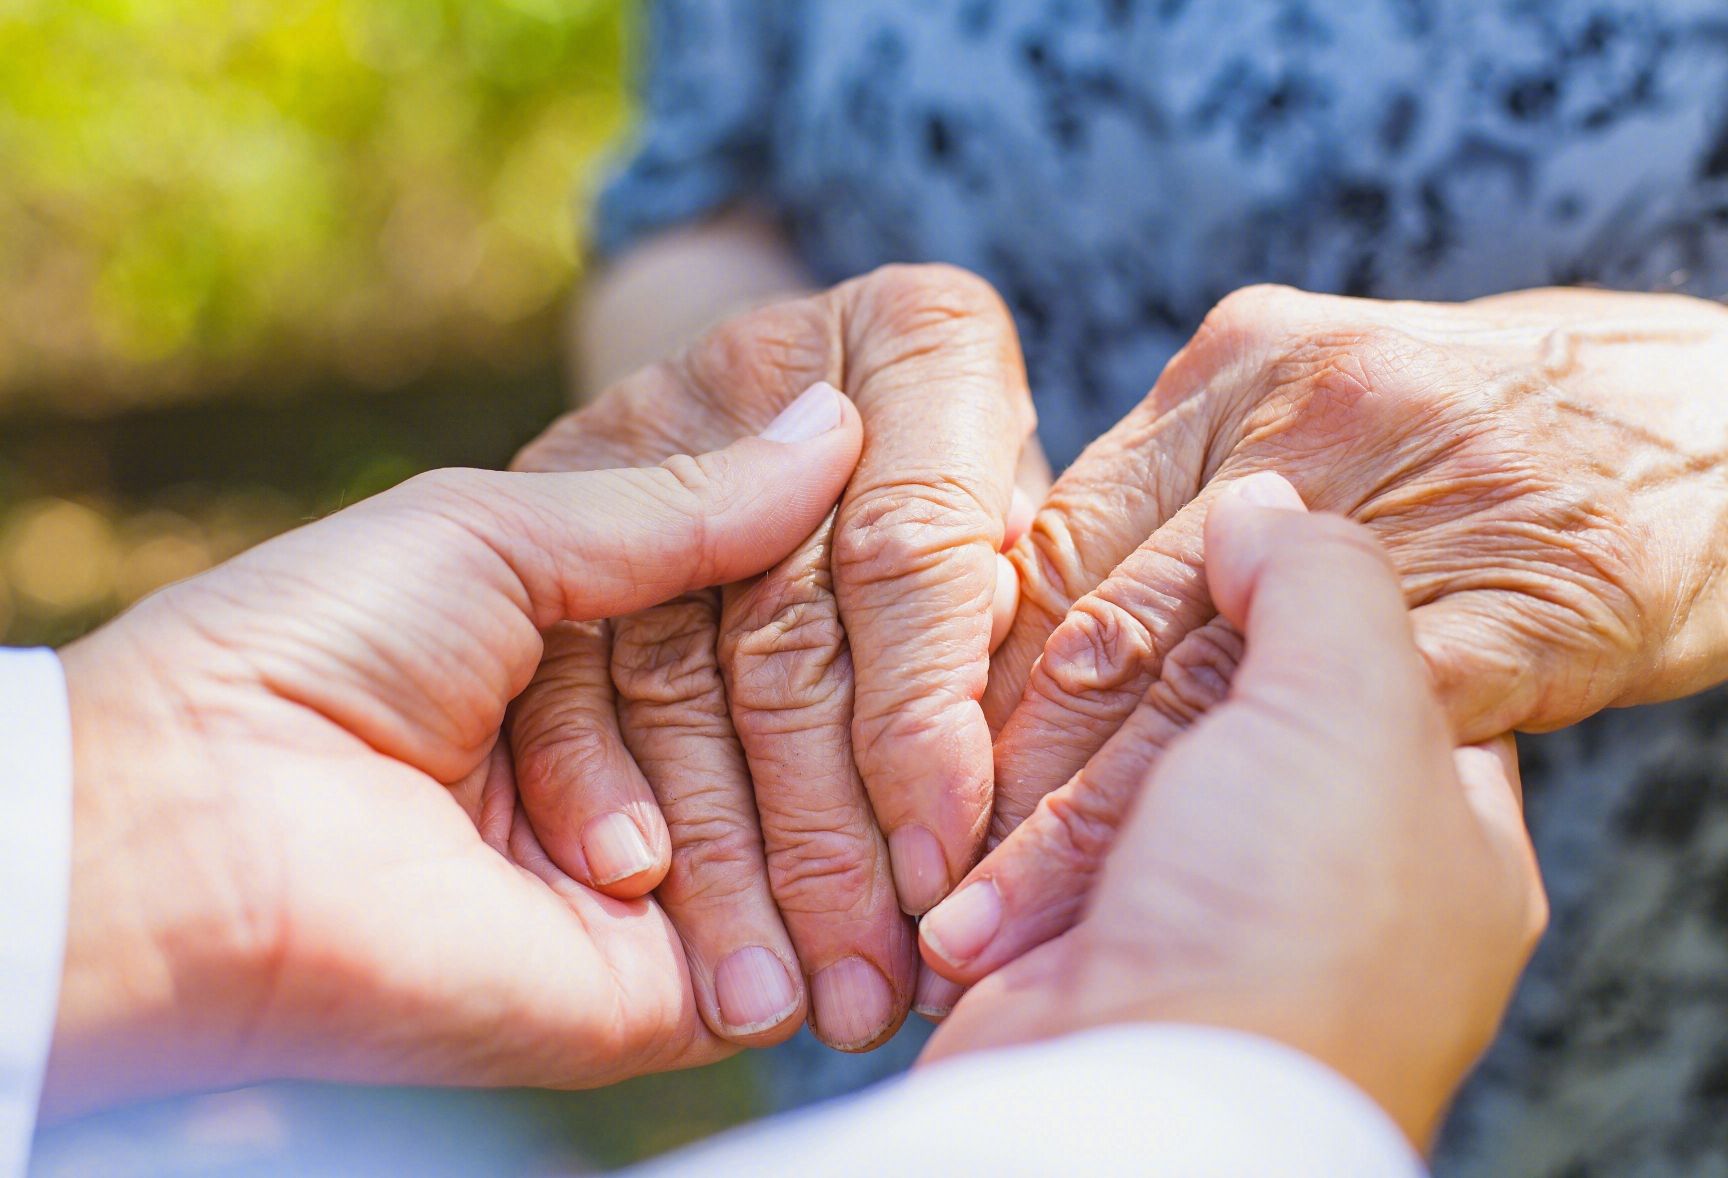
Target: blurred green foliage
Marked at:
203, 194
226, 226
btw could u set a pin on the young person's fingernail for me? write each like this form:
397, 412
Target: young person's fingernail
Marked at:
852, 1004
920, 868
935, 995
754, 991
1266, 488
615, 848
962, 926
815, 412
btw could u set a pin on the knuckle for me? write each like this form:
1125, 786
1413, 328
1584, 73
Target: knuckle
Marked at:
908, 530
1539, 913
882, 723
692, 480
715, 853
563, 753
821, 872
790, 691
1196, 676
783, 649
1053, 571
1078, 823
782, 346
1259, 301
1100, 647
666, 656
1247, 314
918, 294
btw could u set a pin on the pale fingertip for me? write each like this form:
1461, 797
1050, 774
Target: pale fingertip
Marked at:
963, 925
1264, 488
817, 411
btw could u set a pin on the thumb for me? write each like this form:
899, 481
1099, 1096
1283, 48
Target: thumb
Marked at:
601, 543
1319, 606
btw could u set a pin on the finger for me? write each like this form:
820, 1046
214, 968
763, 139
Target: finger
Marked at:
1488, 775
672, 712
1321, 609
940, 382
936, 372
1127, 485
590, 806
1098, 664
1488, 673
602, 543
788, 676
1033, 886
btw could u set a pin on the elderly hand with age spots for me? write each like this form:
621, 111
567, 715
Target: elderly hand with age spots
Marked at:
1545, 469
1313, 863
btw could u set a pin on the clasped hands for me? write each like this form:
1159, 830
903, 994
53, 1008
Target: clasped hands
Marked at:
345, 859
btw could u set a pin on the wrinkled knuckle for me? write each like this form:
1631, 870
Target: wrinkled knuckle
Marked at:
784, 651
916, 294
1052, 571
666, 656
821, 872
1100, 647
1251, 311
1196, 676
693, 478
910, 530
714, 854
567, 753
789, 693
882, 721
1079, 822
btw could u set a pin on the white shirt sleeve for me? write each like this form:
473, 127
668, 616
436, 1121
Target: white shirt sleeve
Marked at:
1154, 1100
35, 866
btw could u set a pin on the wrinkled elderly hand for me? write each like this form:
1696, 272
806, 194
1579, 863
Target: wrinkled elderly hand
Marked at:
1544, 468
743, 755
1314, 863
297, 849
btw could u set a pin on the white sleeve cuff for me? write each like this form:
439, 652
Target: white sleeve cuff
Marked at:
35, 865
1158, 1100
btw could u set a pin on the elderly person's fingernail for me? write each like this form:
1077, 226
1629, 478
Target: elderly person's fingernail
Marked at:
852, 1003
935, 995
963, 925
1266, 488
615, 849
754, 990
814, 413
920, 868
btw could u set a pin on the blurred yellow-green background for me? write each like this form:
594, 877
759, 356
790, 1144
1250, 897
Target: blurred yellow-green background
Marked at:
259, 258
